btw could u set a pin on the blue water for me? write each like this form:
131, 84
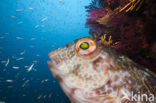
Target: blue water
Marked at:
29, 30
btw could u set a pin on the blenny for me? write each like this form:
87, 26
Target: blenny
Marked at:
92, 73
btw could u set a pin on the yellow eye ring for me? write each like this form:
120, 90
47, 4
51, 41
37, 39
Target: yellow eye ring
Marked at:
85, 46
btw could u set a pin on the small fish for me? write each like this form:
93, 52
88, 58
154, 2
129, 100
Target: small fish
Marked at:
19, 9
13, 16
9, 80
45, 80
50, 95
30, 68
35, 61
89, 72
60, 0
14, 57
14, 67
31, 8
33, 39
39, 97
44, 96
44, 19
26, 66
36, 26
20, 22
7, 62
19, 38
22, 52
24, 84
19, 59
37, 55
2, 102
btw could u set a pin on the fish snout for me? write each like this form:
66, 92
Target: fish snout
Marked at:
55, 58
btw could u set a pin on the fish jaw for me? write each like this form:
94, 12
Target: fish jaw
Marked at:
53, 66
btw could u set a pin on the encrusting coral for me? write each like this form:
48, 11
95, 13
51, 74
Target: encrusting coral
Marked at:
127, 26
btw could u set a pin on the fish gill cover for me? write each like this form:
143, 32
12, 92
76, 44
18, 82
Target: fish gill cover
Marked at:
128, 26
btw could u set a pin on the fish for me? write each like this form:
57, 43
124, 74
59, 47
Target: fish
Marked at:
19, 9
44, 19
60, 0
40, 96
13, 16
89, 72
33, 39
31, 8
19, 58
37, 55
7, 62
30, 68
19, 38
20, 22
22, 52
26, 66
24, 84
36, 26
9, 80
50, 95
15, 67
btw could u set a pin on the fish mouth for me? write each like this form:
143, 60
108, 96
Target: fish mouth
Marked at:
55, 57
55, 60
53, 65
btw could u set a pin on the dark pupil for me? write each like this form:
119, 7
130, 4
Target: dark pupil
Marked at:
84, 45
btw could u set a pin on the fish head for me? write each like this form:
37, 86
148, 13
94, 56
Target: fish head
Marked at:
75, 64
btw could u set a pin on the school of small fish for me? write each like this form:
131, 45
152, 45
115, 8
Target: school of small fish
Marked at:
12, 63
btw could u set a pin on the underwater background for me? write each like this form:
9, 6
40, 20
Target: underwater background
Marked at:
29, 30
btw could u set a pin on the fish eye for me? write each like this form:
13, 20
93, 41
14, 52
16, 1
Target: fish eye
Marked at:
85, 46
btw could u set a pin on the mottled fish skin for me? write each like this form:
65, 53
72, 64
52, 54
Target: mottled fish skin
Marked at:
101, 77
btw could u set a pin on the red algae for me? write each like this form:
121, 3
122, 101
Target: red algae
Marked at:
131, 24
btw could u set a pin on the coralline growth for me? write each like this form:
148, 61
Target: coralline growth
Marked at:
127, 26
